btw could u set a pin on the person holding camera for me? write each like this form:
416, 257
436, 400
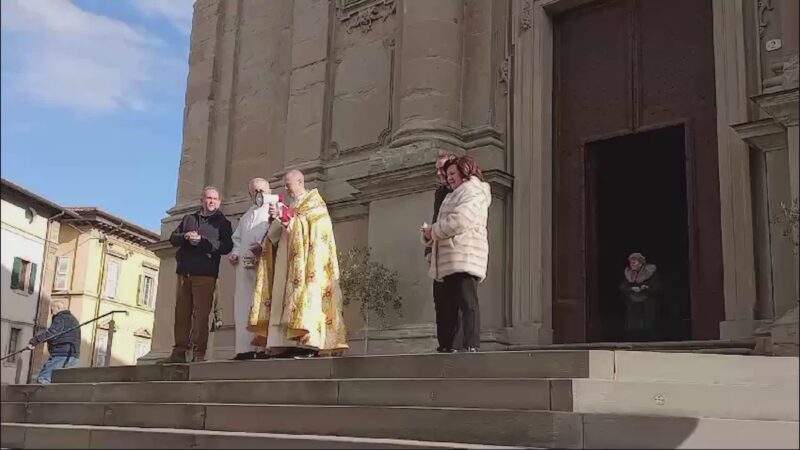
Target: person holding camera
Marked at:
202, 238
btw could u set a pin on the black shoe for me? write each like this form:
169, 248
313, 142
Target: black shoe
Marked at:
283, 355
262, 355
244, 356
445, 350
306, 353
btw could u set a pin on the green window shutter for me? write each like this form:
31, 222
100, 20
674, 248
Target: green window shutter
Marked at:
16, 273
139, 301
33, 279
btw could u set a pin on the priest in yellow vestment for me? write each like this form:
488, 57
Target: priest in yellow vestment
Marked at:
297, 307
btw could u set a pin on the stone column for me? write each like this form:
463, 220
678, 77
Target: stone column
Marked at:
429, 104
532, 253
734, 168
305, 127
200, 90
789, 10
193, 174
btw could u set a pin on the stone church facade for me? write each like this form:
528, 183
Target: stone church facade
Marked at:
361, 95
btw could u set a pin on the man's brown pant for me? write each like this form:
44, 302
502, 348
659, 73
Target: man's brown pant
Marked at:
194, 297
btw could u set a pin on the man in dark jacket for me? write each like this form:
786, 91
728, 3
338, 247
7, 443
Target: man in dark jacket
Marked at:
64, 349
202, 238
439, 295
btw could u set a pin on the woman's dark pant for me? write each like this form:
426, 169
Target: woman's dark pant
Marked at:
457, 295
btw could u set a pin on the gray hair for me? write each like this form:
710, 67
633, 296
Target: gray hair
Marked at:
259, 182
210, 188
59, 304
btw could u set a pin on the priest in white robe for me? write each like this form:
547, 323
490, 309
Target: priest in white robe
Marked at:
249, 233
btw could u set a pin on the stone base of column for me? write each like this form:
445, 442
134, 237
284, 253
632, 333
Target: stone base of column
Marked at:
532, 334
739, 329
781, 337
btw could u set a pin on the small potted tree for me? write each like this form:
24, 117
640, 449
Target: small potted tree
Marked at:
370, 285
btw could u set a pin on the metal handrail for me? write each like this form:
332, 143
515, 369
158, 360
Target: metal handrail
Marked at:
31, 347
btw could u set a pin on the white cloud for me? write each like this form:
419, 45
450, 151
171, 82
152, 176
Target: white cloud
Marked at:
177, 12
69, 57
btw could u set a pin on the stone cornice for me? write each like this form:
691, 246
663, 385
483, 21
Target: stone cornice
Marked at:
501, 182
465, 139
405, 181
781, 105
348, 209
766, 135
416, 179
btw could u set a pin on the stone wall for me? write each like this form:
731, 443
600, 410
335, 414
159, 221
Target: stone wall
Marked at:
361, 95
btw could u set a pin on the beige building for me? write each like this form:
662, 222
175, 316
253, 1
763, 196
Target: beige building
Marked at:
101, 265
29, 237
602, 129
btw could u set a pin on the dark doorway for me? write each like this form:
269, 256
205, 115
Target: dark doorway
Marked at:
621, 69
637, 202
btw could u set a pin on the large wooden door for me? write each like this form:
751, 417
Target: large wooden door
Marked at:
622, 66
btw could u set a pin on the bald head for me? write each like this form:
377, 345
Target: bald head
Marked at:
258, 185
295, 183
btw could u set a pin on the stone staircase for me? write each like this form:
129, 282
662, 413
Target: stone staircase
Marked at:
539, 399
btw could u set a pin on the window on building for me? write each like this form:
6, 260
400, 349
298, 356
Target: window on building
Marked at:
147, 289
23, 276
111, 277
141, 348
14, 335
63, 268
101, 348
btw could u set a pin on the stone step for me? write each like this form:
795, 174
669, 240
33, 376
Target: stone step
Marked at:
740, 346
756, 402
433, 392
540, 364
671, 367
483, 426
596, 364
21, 436
753, 402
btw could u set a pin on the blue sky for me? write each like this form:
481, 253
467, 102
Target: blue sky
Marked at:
92, 101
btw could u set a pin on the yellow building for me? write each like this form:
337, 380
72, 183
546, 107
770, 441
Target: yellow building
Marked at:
102, 265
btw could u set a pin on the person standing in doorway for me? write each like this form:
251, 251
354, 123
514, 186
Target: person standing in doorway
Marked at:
202, 238
64, 349
640, 289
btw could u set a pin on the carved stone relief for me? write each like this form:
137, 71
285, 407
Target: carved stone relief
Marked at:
526, 16
504, 74
764, 6
362, 14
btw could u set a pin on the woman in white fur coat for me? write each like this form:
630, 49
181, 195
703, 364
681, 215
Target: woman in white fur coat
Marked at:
460, 251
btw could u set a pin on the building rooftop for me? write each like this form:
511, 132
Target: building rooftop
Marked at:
81, 215
111, 224
46, 207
